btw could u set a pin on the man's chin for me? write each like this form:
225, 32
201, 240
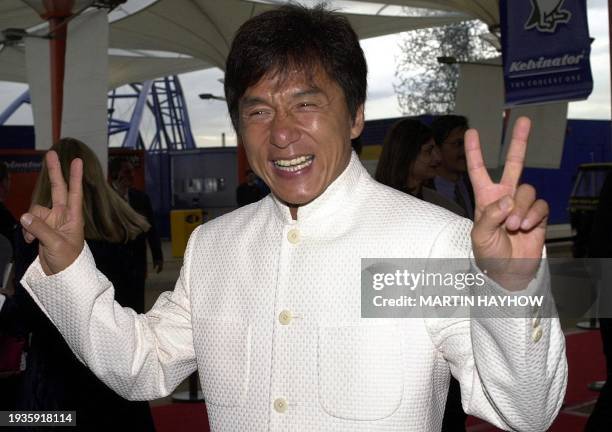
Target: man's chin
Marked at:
295, 201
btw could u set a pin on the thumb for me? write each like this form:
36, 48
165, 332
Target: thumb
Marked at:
492, 217
35, 227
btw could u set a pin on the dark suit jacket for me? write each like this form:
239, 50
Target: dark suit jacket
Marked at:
142, 204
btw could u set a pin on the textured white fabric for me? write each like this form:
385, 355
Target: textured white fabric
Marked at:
335, 370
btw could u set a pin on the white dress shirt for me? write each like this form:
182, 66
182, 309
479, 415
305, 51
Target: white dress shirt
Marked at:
268, 310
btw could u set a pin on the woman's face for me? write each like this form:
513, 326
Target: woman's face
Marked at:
424, 166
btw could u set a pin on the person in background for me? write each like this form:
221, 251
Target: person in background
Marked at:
54, 379
121, 172
600, 246
409, 159
452, 180
7, 220
248, 192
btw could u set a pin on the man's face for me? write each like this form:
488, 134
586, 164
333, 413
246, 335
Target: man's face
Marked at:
452, 151
297, 133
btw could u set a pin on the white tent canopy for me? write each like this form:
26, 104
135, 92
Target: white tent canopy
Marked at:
17, 14
484, 10
204, 28
122, 69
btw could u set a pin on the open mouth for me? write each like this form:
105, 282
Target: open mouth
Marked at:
296, 164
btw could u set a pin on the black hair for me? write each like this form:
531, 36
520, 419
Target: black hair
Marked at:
442, 126
294, 37
400, 149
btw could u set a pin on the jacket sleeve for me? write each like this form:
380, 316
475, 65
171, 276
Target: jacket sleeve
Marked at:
141, 357
512, 371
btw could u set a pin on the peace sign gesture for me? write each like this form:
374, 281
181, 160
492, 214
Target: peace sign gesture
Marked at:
59, 229
509, 223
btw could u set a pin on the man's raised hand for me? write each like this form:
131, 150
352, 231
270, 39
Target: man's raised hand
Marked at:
59, 229
509, 222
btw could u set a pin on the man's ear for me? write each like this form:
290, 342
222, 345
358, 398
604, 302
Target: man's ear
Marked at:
358, 122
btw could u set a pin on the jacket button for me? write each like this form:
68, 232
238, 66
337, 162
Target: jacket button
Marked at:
537, 334
280, 405
293, 236
285, 317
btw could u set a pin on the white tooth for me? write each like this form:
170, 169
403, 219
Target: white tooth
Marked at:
292, 162
293, 165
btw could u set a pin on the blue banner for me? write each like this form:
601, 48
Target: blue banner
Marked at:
545, 50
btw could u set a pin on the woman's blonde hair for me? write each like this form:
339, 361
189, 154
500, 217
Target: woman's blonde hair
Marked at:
107, 216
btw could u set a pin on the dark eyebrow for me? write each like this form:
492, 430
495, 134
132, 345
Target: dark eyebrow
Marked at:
313, 91
250, 101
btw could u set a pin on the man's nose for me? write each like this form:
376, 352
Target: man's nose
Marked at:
284, 130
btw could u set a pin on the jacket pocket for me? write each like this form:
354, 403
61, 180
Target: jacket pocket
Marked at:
224, 355
360, 373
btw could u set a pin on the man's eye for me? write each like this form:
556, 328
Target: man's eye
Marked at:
307, 105
256, 113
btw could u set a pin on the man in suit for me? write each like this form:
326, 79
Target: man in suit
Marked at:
121, 172
452, 180
267, 307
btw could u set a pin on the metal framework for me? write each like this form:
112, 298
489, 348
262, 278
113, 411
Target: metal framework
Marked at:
163, 97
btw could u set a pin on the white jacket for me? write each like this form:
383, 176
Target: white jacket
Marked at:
268, 310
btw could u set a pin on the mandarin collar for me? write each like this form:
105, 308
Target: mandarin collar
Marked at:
330, 202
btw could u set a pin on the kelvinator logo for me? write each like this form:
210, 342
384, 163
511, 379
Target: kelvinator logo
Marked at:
546, 15
568, 61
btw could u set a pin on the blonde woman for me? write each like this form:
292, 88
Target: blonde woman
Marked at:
54, 378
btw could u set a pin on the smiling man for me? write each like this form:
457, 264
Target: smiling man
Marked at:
268, 308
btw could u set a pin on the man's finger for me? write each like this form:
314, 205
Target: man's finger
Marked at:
59, 192
475, 164
523, 200
492, 217
515, 159
75, 192
36, 227
537, 216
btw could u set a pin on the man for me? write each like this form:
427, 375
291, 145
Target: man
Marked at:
451, 180
267, 307
121, 172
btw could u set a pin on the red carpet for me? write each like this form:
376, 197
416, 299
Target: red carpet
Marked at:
586, 364
181, 417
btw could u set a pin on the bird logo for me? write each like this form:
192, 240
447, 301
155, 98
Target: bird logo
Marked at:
546, 15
